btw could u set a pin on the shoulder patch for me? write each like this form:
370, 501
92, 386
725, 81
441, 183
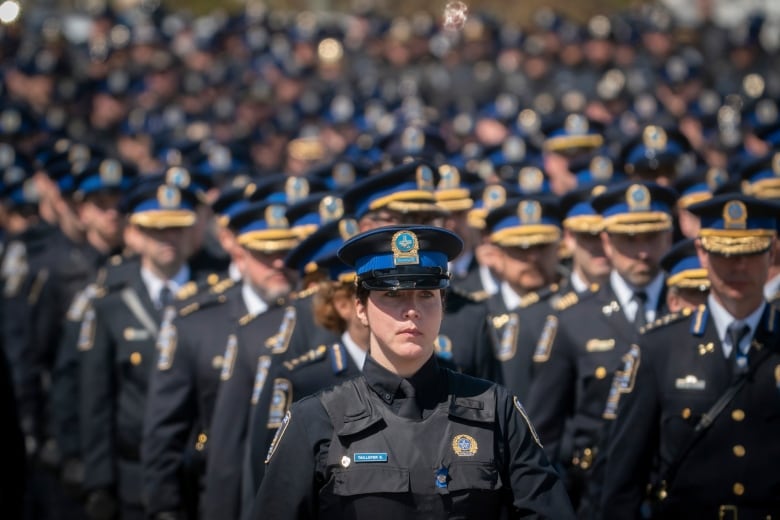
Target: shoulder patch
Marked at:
545, 341
279, 342
666, 319
261, 374
623, 382
229, 359
312, 355
80, 303
87, 330
305, 293
278, 436
699, 321
166, 345
506, 328
524, 414
281, 399
443, 347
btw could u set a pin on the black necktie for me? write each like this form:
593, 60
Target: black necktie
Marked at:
736, 334
408, 403
640, 318
166, 297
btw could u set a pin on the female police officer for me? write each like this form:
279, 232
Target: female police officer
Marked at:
407, 439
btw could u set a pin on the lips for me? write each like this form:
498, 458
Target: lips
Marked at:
410, 331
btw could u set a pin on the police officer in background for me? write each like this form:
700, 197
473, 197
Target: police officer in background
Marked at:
407, 438
117, 343
686, 280
698, 392
582, 345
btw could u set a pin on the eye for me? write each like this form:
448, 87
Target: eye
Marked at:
391, 294
426, 294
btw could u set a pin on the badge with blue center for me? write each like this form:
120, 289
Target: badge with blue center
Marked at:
168, 197
178, 176
735, 215
442, 477
529, 212
464, 445
405, 248
654, 138
638, 198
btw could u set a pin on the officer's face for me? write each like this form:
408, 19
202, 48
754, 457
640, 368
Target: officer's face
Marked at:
532, 268
166, 248
737, 279
266, 273
98, 213
637, 257
403, 327
588, 254
386, 217
678, 299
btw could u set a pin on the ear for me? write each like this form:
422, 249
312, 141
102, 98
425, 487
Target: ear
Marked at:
704, 258
360, 311
606, 243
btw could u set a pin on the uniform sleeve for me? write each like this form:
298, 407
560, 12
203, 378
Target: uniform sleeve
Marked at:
65, 392
537, 490
171, 406
98, 401
222, 497
288, 490
551, 395
632, 444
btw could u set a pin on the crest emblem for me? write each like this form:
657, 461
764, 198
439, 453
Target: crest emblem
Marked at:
529, 121
178, 176
274, 217
348, 228
10, 121
735, 215
424, 176
443, 346
638, 198
654, 137
110, 172
331, 208
343, 174
296, 189
229, 359
576, 124
261, 374
464, 445
412, 140
514, 149
220, 158
449, 177
601, 168
169, 197
529, 212
405, 247
7, 155
280, 402
493, 197
530, 179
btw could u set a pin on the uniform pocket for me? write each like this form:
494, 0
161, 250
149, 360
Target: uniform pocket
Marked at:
369, 479
483, 476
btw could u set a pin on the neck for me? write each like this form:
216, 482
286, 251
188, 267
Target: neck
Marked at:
588, 278
740, 308
359, 334
99, 243
165, 272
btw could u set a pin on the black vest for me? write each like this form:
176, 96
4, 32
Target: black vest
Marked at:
380, 465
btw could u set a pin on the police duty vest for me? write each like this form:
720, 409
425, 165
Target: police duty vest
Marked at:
380, 465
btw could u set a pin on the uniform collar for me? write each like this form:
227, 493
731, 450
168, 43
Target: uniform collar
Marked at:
625, 293
579, 285
357, 354
772, 287
254, 304
386, 384
723, 319
154, 283
511, 299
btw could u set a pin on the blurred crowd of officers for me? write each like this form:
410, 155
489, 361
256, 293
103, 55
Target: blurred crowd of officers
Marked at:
173, 187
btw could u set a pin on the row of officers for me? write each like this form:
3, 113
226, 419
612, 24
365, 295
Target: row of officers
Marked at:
648, 363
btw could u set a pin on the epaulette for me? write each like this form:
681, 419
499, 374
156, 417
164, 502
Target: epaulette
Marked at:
565, 301
246, 318
314, 354
666, 319
203, 303
189, 309
529, 299
187, 290
305, 293
476, 296
222, 286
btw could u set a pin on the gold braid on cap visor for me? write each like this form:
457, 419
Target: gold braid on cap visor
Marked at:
690, 279
639, 222
269, 240
736, 241
584, 224
161, 219
526, 236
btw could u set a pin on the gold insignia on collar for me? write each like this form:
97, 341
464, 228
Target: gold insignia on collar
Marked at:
110, 172
654, 137
168, 197
529, 212
464, 445
405, 247
638, 198
449, 177
706, 349
178, 176
735, 215
424, 175
330, 208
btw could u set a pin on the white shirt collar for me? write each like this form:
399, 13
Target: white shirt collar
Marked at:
488, 280
357, 354
511, 299
723, 319
254, 304
154, 283
578, 284
625, 295
772, 287
234, 273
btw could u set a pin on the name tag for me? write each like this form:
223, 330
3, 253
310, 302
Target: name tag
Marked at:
370, 457
131, 334
690, 383
599, 345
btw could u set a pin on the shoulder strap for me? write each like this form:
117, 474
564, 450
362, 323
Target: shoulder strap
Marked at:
707, 418
130, 297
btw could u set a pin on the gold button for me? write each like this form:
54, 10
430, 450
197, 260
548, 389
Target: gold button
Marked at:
739, 450
601, 373
738, 489
686, 413
738, 415
217, 362
135, 358
202, 438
